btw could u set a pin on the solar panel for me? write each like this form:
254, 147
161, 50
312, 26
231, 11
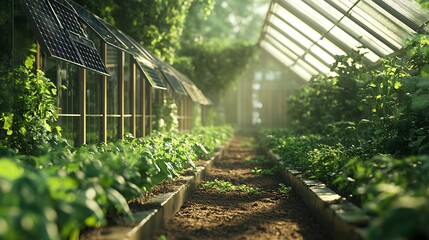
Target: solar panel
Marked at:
120, 36
67, 18
90, 56
152, 75
193, 91
97, 26
173, 81
60, 34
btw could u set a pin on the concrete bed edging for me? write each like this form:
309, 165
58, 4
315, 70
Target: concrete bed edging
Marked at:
147, 223
340, 218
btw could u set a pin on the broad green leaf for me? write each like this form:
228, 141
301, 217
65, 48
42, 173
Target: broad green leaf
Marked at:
7, 122
420, 102
23, 130
119, 201
423, 82
397, 85
10, 170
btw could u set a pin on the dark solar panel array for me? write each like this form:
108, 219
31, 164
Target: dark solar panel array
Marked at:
121, 37
88, 55
54, 39
58, 31
140, 50
67, 18
97, 26
117, 38
153, 74
174, 82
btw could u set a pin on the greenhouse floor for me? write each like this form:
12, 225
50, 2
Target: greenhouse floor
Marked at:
242, 198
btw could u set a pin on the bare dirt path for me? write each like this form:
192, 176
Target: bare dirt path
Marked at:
248, 203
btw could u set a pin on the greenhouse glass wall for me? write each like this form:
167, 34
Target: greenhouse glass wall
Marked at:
108, 85
301, 40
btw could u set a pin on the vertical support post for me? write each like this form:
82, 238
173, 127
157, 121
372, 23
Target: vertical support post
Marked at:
144, 107
151, 93
203, 115
12, 35
185, 114
191, 119
82, 106
182, 113
38, 57
104, 96
188, 115
121, 130
279, 108
134, 100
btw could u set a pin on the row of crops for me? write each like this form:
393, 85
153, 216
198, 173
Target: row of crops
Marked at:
57, 194
365, 133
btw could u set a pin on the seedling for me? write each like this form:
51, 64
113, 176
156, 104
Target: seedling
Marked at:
270, 171
283, 189
225, 186
258, 160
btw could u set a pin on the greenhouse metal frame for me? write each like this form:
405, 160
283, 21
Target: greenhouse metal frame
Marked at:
112, 84
306, 35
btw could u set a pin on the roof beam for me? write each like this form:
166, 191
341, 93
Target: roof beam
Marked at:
314, 43
315, 25
298, 44
364, 26
397, 14
364, 40
274, 41
318, 28
268, 47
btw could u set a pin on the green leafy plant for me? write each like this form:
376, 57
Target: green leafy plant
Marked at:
258, 160
57, 194
264, 171
219, 185
365, 133
284, 189
225, 186
28, 110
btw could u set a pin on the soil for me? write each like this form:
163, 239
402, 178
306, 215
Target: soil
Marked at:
268, 214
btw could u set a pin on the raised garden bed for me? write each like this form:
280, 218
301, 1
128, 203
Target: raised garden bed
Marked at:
160, 208
340, 218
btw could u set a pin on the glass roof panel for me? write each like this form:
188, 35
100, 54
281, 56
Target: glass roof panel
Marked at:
283, 39
372, 57
380, 25
384, 17
315, 31
344, 37
301, 72
316, 63
364, 37
287, 61
331, 47
308, 11
173, 80
348, 26
307, 67
327, 58
288, 17
291, 31
282, 48
324, 9
407, 11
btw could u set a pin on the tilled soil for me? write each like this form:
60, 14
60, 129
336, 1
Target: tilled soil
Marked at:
267, 214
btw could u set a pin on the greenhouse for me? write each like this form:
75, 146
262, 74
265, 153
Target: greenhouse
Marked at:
214, 119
